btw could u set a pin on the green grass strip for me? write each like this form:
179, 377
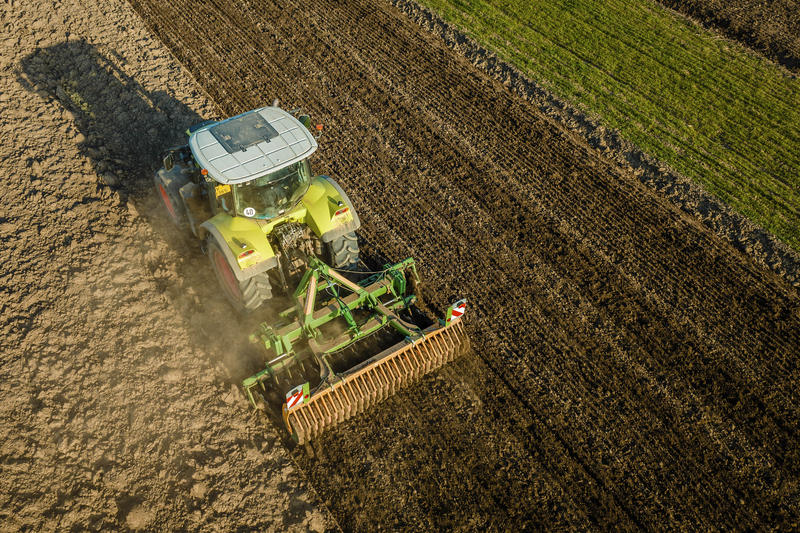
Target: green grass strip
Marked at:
710, 108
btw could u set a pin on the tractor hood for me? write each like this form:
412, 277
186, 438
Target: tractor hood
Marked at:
247, 146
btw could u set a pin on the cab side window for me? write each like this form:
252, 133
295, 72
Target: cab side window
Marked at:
221, 197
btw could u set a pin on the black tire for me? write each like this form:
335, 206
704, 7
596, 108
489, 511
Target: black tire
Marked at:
343, 252
168, 190
244, 295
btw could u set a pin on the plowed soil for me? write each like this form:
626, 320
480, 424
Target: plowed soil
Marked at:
116, 407
771, 27
630, 368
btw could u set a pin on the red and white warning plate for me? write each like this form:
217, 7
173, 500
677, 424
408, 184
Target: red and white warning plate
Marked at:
457, 310
297, 395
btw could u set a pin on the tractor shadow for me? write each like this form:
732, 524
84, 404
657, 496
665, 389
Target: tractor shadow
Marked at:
124, 130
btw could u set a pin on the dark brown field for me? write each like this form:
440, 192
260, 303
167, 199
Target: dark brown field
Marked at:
771, 27
630, 369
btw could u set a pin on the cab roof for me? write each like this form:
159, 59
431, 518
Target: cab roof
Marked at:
247, 146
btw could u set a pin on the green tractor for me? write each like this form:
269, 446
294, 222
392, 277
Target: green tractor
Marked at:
349, 338
244, 187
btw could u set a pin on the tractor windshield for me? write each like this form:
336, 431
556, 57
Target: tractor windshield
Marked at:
274, 193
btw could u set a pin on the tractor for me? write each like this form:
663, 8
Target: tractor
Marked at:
350, 337
244, 188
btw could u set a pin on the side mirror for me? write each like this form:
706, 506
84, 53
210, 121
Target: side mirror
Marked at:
169, 162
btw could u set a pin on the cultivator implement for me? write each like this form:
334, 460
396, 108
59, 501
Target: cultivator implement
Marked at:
345, 346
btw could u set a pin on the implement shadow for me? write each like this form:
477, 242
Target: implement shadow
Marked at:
124, 129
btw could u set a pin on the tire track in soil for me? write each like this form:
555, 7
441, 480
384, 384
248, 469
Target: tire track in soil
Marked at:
656, 363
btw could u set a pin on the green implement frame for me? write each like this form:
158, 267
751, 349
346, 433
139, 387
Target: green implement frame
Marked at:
330, 314
380, 296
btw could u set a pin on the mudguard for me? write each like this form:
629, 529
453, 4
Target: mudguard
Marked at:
168, 183
244, 244
329, 212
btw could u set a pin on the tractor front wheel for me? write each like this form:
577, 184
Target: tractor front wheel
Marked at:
244, 295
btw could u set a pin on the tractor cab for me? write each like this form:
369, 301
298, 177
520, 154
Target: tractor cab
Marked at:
273, 194
258, 161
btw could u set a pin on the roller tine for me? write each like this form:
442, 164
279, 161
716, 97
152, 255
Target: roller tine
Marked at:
439, 356
320, 415
375, 379
311, 412
340, 402
373, 386
333, 408
445, 346
410, 369
421, 355
402, 372
417, 363
317, 418
299, 422
393, 370
385, 380
380, 383
330, 406
455, 337
464, 340
366, 392
369, 381
347, 403
365, 385
399, 374
423, 351
343, 405
413, 364
407, 374
391, 378
355, 389
304, 420
355, 395
441, 349
358, 392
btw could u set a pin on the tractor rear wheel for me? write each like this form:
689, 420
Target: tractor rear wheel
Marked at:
245, 295
343, 252
170, 197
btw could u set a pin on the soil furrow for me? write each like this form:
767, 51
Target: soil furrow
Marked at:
651, 363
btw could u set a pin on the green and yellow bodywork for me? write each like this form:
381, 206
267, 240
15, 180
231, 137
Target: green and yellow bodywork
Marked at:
324, 208
350, 338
